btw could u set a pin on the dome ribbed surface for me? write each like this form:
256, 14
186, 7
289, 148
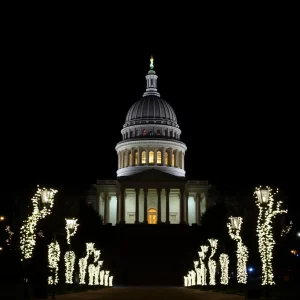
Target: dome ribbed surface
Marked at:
151, 108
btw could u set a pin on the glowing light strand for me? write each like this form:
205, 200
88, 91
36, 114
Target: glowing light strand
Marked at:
212, 265
242, 251
267, 212
224, 262
53, 260
71, 231
10, 235
203, 269
69, 258
83, 262
27, 232
287, 229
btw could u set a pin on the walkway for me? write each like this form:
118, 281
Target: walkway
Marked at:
149, 293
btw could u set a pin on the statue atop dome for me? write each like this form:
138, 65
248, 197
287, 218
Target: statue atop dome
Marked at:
151, 63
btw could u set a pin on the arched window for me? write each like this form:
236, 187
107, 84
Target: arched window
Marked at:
158, 132
150, 132
143, 157
129, 159
158, 157
144, 132
166, 158
136, 158
151, 157
136, 132
173, 159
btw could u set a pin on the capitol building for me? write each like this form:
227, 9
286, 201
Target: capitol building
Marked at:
151, 186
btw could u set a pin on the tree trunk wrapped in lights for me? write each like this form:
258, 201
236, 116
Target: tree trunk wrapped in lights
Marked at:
203, 270
212, 266
268, 209
90, 247
234, 228
42, 203
71, 229
53, 260
198, 272
224, 262
97, 272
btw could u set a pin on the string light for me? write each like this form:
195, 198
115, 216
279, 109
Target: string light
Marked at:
110, 280
102, 277
27, 232
71, 228
212, 265
287, 229
97, 272
203, 269
268, 209
91, 274
10, 234
106, 278
53, 259
224, 262
198, 272
70, 258
96, 255
234, 228
83, 262
193, 277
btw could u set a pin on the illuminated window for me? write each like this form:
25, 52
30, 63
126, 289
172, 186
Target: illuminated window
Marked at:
136, 158
167, 158
173, 159
144, 132
129, 159
158, 157
143, 157
151, 157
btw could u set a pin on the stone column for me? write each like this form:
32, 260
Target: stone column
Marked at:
118, 207
159, 205
139, 156
186, 207
147, 156
163, 156
182, 206
132, 156
155, 156
145, 206
122, 204
137, 207
167, 206
106, 208
198, 208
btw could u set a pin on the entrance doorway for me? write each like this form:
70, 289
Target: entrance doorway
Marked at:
152, 216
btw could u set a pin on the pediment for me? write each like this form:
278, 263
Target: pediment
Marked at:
152, 175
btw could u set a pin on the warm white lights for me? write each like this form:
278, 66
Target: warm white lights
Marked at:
27, 233
234, 228
224, 262
106, 276
110, 280
203, 269
91, 274
97, 272
53, 259
287, 229
212, 266
10, 234
90, 247
268, 209
71, 228
69, 266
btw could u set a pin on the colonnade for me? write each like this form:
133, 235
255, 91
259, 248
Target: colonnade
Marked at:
121, 205
151, 156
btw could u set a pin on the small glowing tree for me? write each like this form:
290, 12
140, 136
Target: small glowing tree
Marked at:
53, 260
268, 210
90, 247
224, 262
234, 227
203, 269
212, 265
70, 257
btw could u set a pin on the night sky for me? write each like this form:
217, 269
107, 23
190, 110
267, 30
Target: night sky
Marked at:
67, 94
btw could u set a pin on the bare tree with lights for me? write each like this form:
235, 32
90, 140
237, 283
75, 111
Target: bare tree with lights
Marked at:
268, 210
234, 227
